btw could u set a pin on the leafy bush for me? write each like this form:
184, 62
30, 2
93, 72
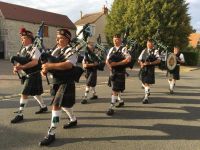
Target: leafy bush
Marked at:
191, 58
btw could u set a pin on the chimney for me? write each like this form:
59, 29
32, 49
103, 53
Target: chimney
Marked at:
105, 10
81, 14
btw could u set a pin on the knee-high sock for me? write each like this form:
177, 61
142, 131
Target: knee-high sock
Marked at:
55, 118
169, 81
171, 85
70, 113
23, 103
93, 90
39, 99
113, 101
147, 91
86, 91
119, 98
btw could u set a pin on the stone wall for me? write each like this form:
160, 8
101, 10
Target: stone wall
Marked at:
12, 39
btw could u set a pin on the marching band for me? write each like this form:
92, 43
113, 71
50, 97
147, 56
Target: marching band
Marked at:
64, 73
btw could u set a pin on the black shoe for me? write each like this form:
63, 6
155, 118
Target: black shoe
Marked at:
47, 140
171, 91
94, 97
110, 112
42, 110
121, 104
70, 124
145, 101
84, 101
17, 119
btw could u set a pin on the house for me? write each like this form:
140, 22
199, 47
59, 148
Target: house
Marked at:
13, 17
194, 39
97, 22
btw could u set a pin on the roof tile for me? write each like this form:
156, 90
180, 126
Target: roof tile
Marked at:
89, 18
26, 14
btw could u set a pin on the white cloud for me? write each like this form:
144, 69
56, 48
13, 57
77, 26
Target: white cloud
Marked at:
71, 8
197, 26
193, 1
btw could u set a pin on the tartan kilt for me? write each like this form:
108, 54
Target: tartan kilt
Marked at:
33, 85
118, 82
64, 94
174, 74
148, 76
91, 77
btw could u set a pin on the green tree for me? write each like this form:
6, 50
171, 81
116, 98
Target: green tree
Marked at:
115, 19
146, 17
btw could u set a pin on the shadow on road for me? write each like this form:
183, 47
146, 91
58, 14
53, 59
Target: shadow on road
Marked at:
11, 138
174, 132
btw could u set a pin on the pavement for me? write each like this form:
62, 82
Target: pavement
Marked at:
169, 122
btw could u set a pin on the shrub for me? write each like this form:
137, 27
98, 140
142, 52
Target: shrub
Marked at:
191, 58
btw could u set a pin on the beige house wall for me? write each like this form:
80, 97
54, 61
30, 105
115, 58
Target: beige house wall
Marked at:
12, 37
97, 28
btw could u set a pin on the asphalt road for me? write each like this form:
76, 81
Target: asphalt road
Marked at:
169, 122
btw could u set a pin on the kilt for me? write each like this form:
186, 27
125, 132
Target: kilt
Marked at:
64, 94
174, 74
33, 85
147, 75
91, 77
118, 81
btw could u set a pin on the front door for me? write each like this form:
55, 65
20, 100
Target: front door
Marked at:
2, 49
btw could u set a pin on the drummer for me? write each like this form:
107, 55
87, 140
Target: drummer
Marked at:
175, 73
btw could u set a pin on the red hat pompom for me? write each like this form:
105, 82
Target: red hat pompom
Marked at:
22, 30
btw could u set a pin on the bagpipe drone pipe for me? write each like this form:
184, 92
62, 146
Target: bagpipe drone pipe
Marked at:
131, 46
70, 74
163, 50
98, 55
91, 57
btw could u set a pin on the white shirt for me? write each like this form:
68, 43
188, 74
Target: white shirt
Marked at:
69, 54
124, 51
146, 52
34, 52
181, 57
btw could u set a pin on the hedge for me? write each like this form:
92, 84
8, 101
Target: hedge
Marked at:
191, 58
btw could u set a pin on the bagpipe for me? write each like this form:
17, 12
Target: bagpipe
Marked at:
168, 59
71, 74
147, 58
24, 59
76, 71
98, 55
131, 46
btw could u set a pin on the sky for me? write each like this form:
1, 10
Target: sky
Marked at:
72, 8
